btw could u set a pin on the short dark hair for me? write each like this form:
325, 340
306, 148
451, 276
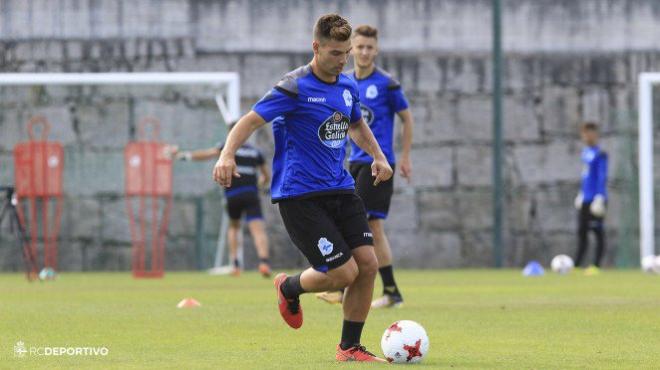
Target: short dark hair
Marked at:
332, 27
366, 31
589, 126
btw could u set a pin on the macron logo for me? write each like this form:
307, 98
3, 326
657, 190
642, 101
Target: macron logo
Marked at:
315, 100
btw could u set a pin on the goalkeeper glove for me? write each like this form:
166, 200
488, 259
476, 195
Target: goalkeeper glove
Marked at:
579, 199
597, 207
184, 156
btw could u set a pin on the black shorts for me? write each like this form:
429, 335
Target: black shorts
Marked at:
326, 228
247, 203
376, 198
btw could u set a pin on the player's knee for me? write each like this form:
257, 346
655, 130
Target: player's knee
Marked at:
368, 265
346, 277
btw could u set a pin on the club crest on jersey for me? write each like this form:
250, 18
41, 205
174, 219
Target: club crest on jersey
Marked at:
348, 98
367, 114
372, 92
325, 246
333, 130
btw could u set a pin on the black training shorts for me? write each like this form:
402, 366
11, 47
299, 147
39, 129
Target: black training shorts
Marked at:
244, 203
376, 198
326, 227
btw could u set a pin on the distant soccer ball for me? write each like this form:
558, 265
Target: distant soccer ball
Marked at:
562, 264
404, 342
47, 273
648, 264
656, 264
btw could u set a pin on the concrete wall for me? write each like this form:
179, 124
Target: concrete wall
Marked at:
565, 61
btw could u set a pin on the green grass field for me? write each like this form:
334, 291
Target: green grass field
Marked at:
475, 319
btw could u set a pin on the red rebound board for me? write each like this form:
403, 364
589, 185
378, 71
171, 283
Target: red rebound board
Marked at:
38, 168
148, 170
38, 164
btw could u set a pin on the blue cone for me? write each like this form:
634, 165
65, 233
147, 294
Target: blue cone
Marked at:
533, 268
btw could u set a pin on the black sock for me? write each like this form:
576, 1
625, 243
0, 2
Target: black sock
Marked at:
291, 287
264, 260
236, 263
350, 334
387, 275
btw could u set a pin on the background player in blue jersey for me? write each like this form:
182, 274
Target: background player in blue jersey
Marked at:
591, 201
381, 98
242, 199
320, 108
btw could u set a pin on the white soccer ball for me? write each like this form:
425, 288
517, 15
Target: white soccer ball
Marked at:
648, 264
405, 342
562, 264
47, 273
656, 264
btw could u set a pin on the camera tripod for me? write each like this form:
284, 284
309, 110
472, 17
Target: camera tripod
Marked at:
8, 208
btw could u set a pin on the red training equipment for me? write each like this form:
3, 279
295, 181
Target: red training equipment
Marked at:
148, 167
38, 168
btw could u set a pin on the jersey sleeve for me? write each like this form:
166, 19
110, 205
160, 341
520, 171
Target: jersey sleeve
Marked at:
601, 179
280, 100
397, 99
356, 112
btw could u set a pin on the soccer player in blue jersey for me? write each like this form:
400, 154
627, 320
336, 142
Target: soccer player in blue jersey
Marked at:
591, 201
316, 196
242, 199
381, 98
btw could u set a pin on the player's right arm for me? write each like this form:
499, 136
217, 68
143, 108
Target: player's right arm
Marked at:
225, 167
279, 101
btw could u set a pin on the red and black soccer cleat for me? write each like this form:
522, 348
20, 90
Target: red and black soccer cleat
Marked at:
289, 308
356, 353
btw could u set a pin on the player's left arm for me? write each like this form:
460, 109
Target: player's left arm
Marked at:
264, 173
399, 104
198, 155
361, 135
405, 165
264, 177
598, 207
601, 181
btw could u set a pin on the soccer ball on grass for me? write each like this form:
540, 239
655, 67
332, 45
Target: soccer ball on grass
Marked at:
405, 341
562, 264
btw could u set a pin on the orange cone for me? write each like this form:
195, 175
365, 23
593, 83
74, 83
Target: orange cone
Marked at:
188, 303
